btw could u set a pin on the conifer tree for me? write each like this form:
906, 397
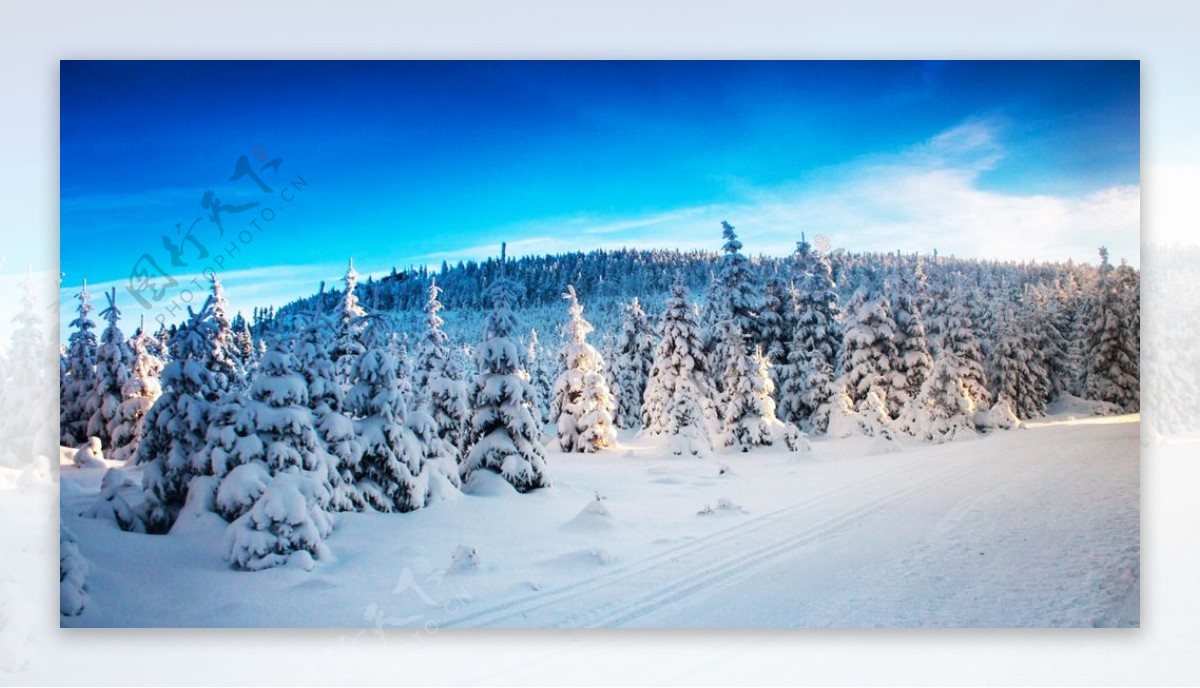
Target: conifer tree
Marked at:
678, 399
632, 364
508, 435
581, 394
438, 379
1112, 347
138, 394
27, 405
80, 379
113, 358
348, 345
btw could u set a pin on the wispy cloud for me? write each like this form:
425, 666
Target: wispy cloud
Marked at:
928, 196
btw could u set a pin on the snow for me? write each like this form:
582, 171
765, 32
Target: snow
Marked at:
1034, 527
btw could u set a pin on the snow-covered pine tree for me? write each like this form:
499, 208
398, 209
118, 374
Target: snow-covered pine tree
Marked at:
913, 361
230, 374
325, 399
113, 358
138, 394
175, 427
508, 435
738, 302
389, 475
944, 409
678, 398
538, 376
348, 346
80, 380
749, 418
581, 393
818, 389
438, 378
962, 346
280, 416
631, 368
289, 519
1017, 376
869, 356
816, 329
27, 404
1112, 352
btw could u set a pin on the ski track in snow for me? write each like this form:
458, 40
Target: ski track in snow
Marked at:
1034, 527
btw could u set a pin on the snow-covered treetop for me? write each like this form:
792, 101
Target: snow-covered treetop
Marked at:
577, 329
111, 314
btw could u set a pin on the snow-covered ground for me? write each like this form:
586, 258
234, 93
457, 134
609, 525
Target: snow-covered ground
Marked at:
1032, 527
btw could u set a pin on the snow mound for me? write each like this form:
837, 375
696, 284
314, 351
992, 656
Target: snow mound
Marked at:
883, 445
1071, 405
16, 626
586, 558
463, 559
723, 507
90, 455
594, 516
37, 474
72, 575
489, 484
122, 500
999, 417
199, 510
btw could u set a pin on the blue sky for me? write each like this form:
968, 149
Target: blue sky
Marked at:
415, 162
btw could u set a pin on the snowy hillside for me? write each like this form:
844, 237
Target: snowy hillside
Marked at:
1034, 527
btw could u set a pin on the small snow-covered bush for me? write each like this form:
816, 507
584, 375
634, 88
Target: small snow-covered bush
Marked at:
72, 574
123, 500
90, 455
289, 517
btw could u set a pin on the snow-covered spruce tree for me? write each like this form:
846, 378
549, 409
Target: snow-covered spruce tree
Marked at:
348, 345
631, 367
749, 418
737, 301
325, 399
280, 416
581, 394
27, 420
944, 409
537, 371
503, 413
777, 322
175, 427
818, 389
869, 355
290, 518
1050, 331
1017, 376
138, 394
438, 379
230, 374
678, 399
1112, 347
960, 342
80, 380
389, 475
913, 361
247, 353
816, 329
113, 358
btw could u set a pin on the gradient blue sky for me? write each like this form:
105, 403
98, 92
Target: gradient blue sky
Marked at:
415, 162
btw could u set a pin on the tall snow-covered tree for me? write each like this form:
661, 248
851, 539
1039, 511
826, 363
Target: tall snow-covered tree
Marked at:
27, 420
536, 367
175, 427
960, 344
138, 394
581, 396
913, 361
737, 299
945, 408
869, 355
1112, 345
80, 379
113, 358
509, 436
678, 400
389, 470
816, 329
631, 367
348, 345
227, 359
749, 417
438, 379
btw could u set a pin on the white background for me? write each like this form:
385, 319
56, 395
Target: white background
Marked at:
1163, 35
